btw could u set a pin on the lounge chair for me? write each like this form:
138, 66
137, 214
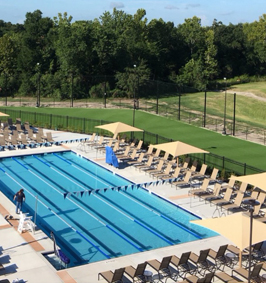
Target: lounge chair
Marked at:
214, 174
219, 257
194, 279
98, 142
225, 277
201, 173
112, 277
254, 195
254, 275
138, 161
165, 172
183, 265
173, 175
23, 141
131, 157
161, 267
193, 167
146, 165
138, 147
202, 190
214, 195
202, 262
230, 184
257, 212
137, 274
237, 203
184, 182
49, 137
158, 169
149, 151
124, 154
225, 199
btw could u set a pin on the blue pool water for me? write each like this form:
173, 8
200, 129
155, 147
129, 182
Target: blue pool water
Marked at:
106, 224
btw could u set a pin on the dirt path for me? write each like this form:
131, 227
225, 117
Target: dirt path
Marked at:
249, 94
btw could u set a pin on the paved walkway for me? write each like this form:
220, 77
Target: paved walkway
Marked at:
22, 254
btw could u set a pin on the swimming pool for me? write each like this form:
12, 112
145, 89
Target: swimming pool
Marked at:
96, 226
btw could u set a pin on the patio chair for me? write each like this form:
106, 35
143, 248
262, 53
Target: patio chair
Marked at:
219, 256
204, 189
254, 275
214, 195
225, 199
130, 157
194, 279
18, 128
201, 173
165, 157
23, 141
162, 267
139, 160
112, 277
49, 137
149, 151
138, 147
137, 274
202, 262
146, 165
166, 171
124, 154
173, 175
158, 169
193, 167
183, 265
2, 143
184, 182
214, 175
97, 142
236, 205
254, 195
230, 184
225, 277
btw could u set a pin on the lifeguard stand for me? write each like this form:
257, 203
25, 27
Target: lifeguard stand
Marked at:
25, 223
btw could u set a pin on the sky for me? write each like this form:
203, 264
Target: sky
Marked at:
176, 11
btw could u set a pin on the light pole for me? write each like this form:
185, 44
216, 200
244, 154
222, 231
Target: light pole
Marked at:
134, 98
225, 92
39, 91
250, 203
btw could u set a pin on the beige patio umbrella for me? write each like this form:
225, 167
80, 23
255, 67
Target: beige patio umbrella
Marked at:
3, 114
257, 180
178, 148
236, 228
118, 127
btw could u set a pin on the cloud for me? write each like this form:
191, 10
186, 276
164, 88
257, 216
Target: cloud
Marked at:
227, 13
171, 7
117, 5
192, 6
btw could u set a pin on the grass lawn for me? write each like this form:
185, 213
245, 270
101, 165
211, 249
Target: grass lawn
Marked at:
233, 148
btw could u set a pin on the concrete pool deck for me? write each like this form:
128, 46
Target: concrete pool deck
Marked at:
22, 254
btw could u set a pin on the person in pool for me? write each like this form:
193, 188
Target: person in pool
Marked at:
19, 197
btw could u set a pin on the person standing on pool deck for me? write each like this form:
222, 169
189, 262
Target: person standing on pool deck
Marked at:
19, 197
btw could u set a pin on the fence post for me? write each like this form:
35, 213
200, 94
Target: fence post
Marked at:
157, 138
51, 120
66, 121
245, 168
84, 125
223, 162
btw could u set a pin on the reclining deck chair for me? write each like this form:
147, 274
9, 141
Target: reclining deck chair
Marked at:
194, 279
219, 256
184, 182
136, 273
254, 275
202, 262
113, 277
183, 265
161, 267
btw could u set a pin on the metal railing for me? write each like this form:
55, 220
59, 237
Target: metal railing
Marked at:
87, 126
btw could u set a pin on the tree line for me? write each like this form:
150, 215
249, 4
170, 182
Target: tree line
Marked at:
118, 54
